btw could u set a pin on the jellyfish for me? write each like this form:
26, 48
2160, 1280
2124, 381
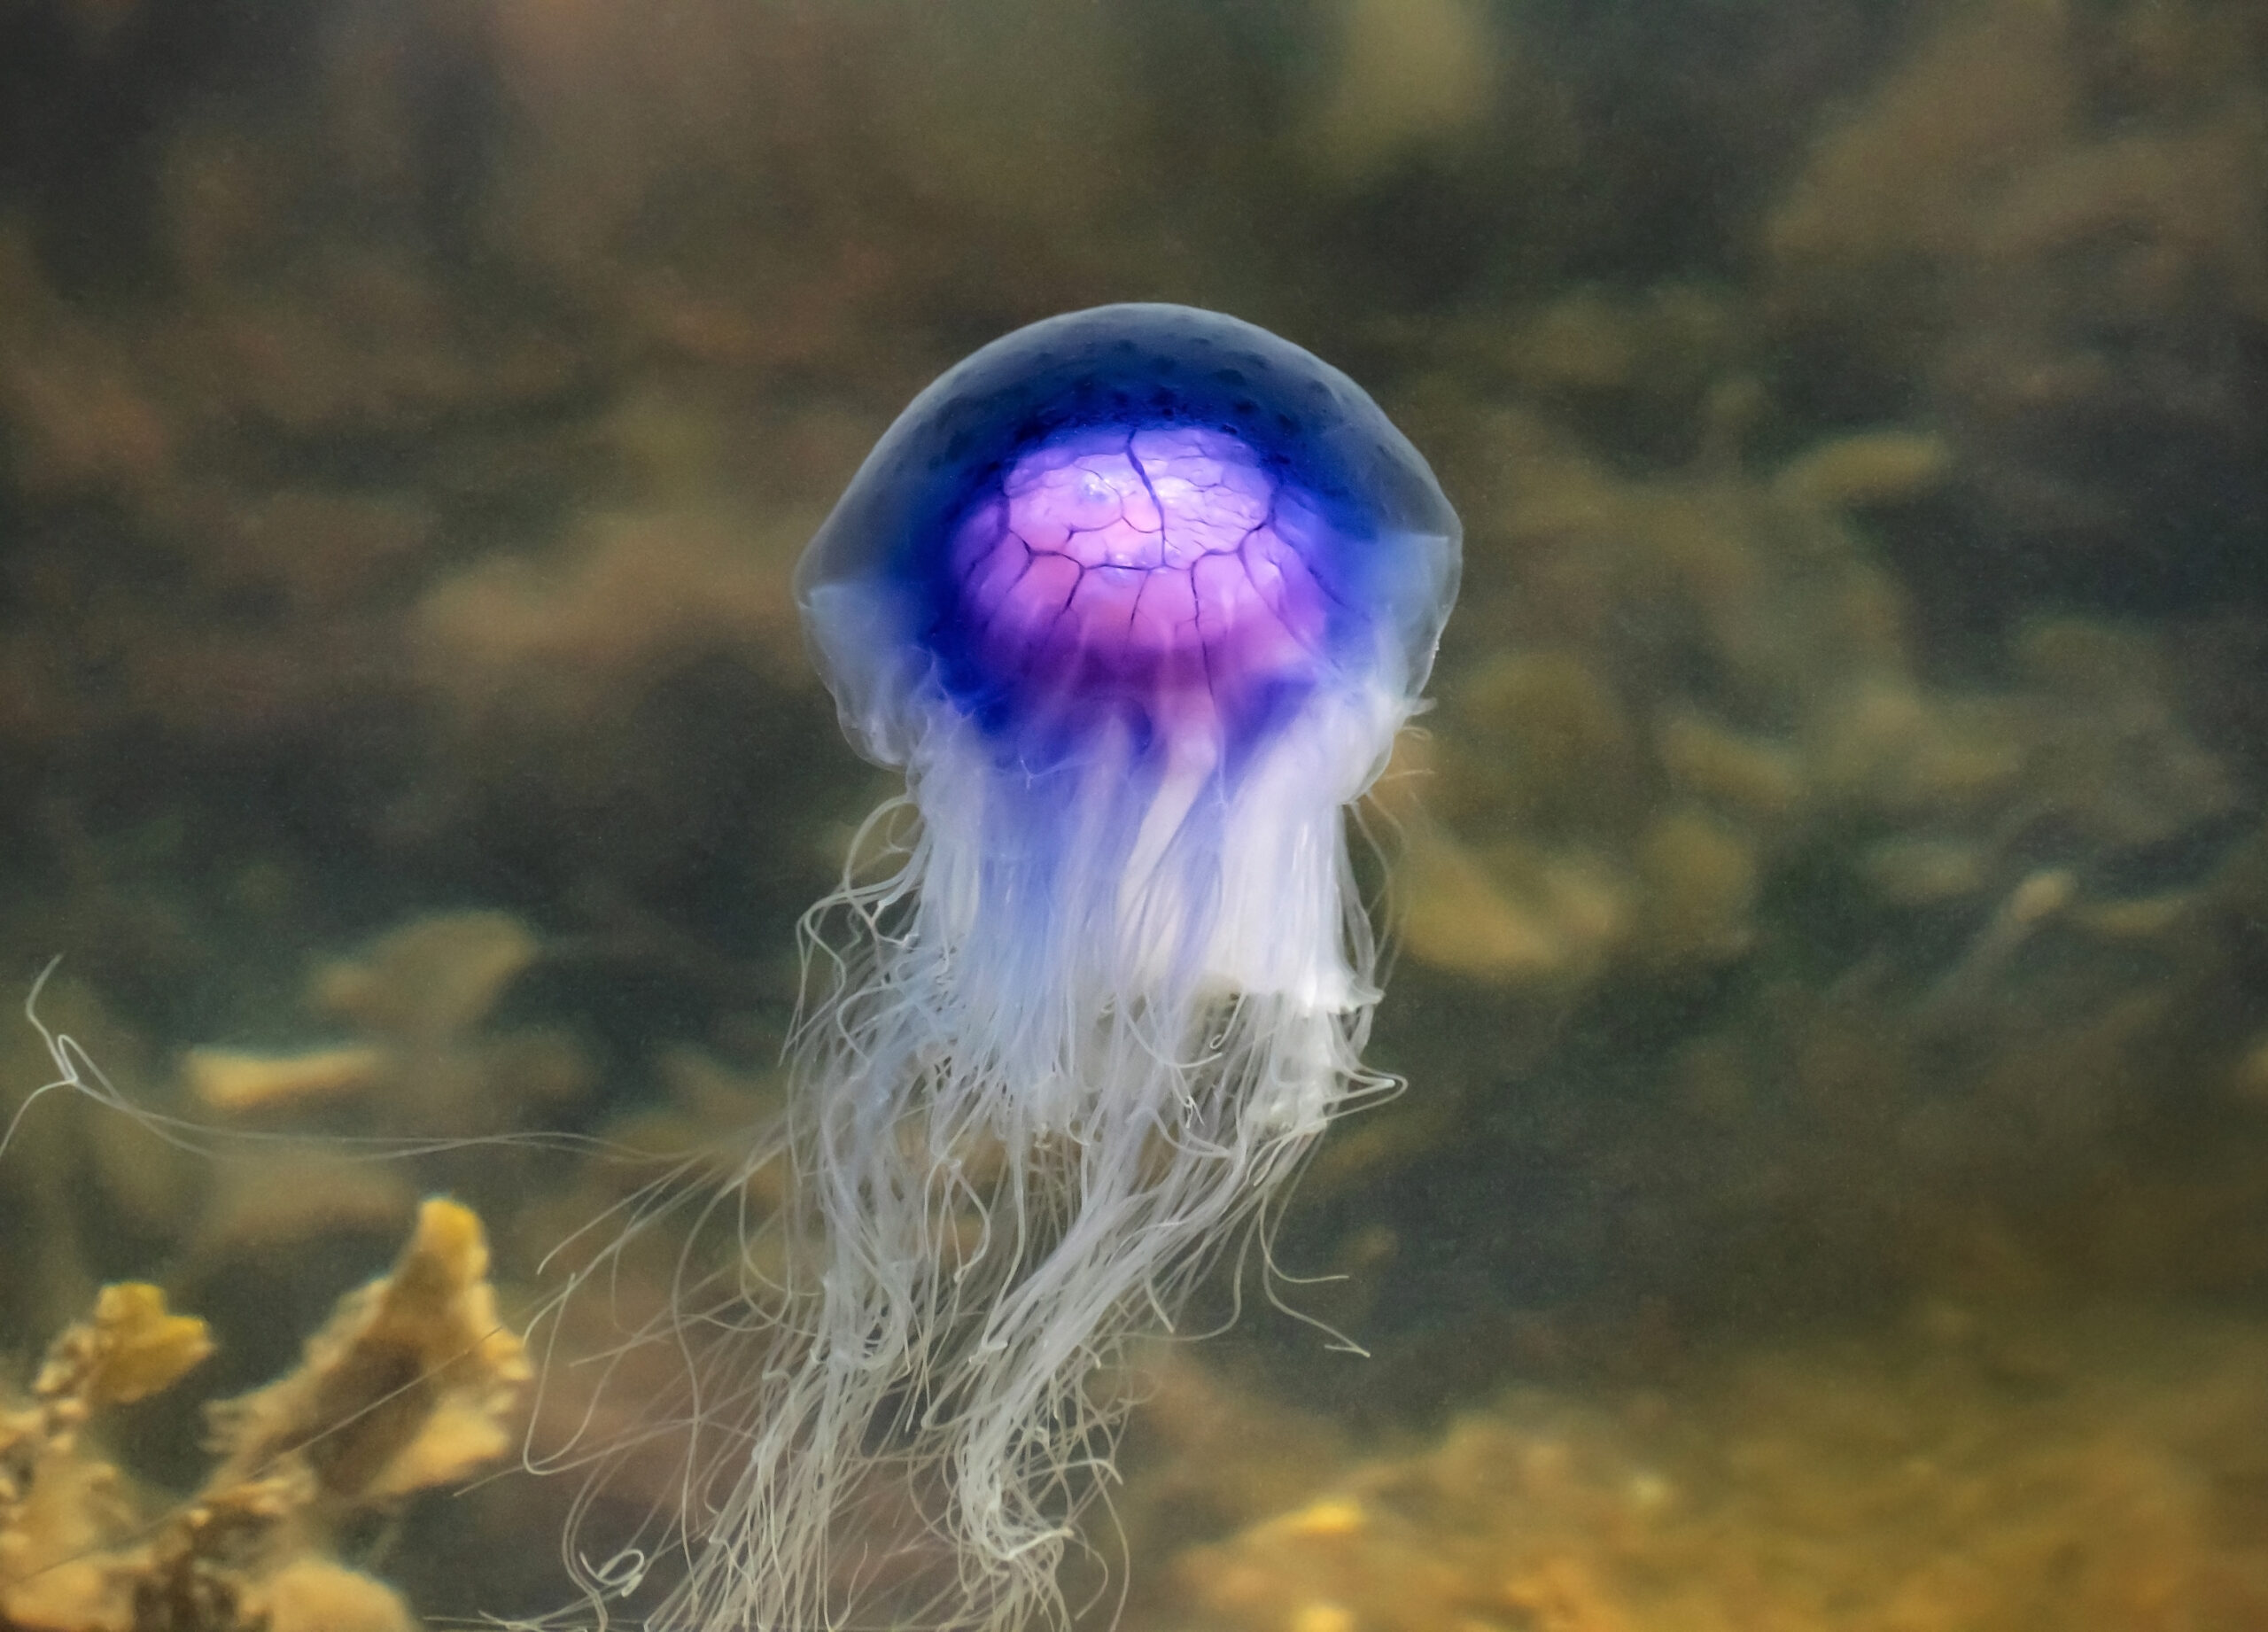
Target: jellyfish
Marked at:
1137, 599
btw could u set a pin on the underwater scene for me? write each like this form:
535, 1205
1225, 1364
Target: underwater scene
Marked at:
1163, 815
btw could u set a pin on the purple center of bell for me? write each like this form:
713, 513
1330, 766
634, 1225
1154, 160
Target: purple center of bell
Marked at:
1160, 566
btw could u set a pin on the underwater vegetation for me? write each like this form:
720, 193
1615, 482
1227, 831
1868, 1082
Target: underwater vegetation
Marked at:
1823, 904
1946, 1474
413, 1384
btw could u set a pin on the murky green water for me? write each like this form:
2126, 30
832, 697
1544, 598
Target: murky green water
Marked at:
1831, 894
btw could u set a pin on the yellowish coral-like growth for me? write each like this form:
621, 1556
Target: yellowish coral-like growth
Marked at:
411, 1385
131, 1348
232, 1079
